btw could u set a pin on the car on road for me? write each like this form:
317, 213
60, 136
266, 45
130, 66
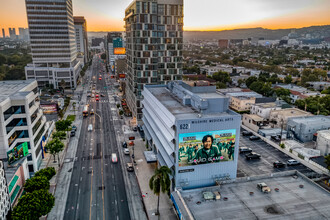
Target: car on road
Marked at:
88, 95
292, 162
93, 96
124, 144
247, 133
278, 164
135, 129
126, 151
72, 134
102, 95
90, 127
74, 128
114, 158
254, 138
96, 95
252, 156
263, 187
243, 150
100, 78
140, 128
275, 138
130, 167
92, 111
97, 99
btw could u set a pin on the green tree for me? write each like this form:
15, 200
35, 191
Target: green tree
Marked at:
63, 84
36, 183
63, 125
55, 146
33, 205
222, 77
250, 80
103, 56
160, 182
327, 161
288, 79
292, 71
257, 86
281, 92
60, 135
48, 172
208, 63
221, 85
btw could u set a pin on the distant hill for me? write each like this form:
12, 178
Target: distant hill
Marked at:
316, 31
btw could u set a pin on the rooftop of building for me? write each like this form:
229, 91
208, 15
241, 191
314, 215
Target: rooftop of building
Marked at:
324, 133
178, 109
266, 105
254, 117
246, 94
312, 120
291, 112
272, 131
13, 89
296, 198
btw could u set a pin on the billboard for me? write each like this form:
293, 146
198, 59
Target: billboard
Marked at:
49, 108
206, 147
17, 152
122, 75
119, 51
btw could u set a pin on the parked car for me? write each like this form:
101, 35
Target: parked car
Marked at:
114, 158
252, 156
102, 95
135, 129
124, 144
292, 162
72, 134
263, 187
130, 167
140, 128
126, 151
278, 164
90, 127
275, 138
247, 133
254, 138
74, 128
245, 150
97, 99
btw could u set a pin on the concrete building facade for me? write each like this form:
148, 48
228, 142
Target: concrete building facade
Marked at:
80, 26
304, 129
280, 117
4, 195
53, 43
323, 142
22, 122
264, 109
154, 42
241, 103
177, 121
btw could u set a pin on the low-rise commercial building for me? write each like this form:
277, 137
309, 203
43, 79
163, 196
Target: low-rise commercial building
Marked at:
279, 118
323, 142
22, 123
264, 109
269, 132
241, 103
304, 128
193, 132
254, 122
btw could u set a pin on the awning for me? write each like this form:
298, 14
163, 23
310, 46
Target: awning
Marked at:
150, 156
146, 132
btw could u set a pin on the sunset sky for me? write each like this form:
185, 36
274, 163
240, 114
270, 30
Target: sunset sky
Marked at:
206, 15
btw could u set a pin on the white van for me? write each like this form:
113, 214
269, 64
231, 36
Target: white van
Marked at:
90, 127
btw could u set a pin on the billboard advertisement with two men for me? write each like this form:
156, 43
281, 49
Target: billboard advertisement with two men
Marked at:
206, 147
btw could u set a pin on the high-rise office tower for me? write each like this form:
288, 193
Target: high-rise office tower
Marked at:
80, 26
12, 33
154, 35
114, 48
23, 33
53, 43
3, 33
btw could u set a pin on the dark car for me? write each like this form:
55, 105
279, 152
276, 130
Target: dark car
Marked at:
245, 150
73, 128
72, 134
102, 95
135, 129
275, 138
247, 133
254, 138
278, 164
130, 167
124, 144
252, 156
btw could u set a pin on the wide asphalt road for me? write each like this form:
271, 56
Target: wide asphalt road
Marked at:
97, 188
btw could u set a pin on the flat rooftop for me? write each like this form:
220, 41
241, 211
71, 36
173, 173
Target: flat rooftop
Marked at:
292, 112
254, 117
290, 202
174, 105
12, 87
317, 119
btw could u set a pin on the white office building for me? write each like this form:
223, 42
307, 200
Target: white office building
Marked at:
53, 43
180, 123
80, 26
4, 195
21, 122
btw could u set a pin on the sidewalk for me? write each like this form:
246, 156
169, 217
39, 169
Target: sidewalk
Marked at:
144, 171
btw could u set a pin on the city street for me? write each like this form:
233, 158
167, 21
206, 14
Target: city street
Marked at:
97, 188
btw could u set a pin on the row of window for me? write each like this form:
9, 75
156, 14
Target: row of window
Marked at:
48, 37
14, 110
50, 42
42, 3
51, 56
50, 47
44, 8
49, 32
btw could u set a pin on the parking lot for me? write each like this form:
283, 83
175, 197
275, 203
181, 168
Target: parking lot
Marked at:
264, 165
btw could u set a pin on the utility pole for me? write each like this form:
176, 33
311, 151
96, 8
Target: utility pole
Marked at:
281, 131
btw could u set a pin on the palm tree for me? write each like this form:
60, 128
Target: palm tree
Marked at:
160, 182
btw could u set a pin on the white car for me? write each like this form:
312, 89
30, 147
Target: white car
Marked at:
114, 158
126, 151
292, 162
90, 127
